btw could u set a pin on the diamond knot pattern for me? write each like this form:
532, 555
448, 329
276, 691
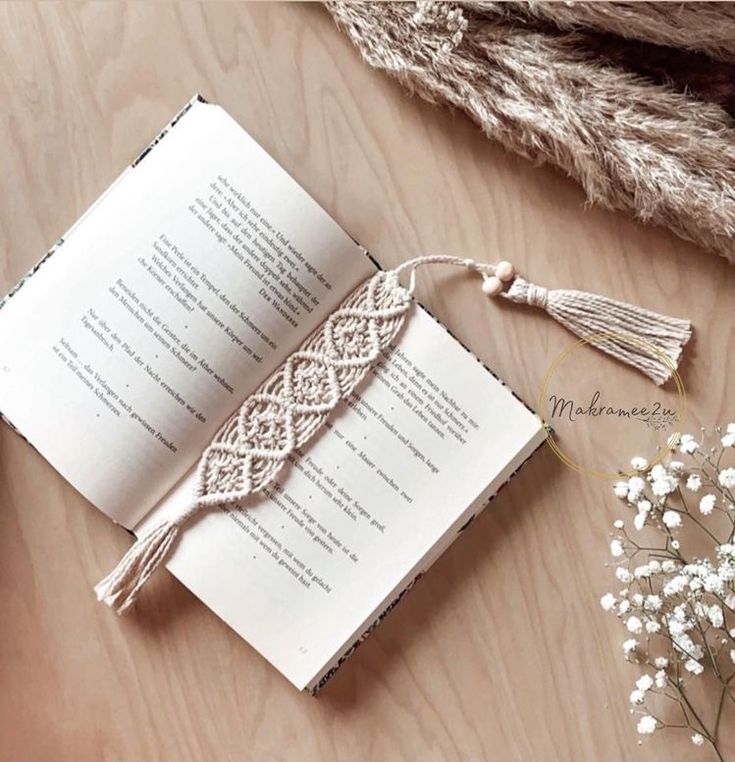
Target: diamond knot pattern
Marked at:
290, 406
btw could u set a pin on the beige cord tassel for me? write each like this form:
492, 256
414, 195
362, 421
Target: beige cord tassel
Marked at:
651, 342
120, 588
648, 341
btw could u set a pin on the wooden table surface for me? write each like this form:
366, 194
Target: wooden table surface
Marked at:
502, 651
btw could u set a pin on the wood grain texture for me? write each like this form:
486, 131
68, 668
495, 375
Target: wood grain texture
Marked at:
501, 652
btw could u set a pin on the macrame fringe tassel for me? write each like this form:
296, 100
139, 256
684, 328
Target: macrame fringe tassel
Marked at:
642, 338
119, 589
648, 341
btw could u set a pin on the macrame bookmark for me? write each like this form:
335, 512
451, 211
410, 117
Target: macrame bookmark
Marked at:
289, 407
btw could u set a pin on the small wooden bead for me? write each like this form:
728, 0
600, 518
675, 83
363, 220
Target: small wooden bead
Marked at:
492, 285
505, 271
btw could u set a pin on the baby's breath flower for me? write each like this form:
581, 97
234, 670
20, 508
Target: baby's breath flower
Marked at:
715, 616
726, 571
685, 645
713, 583
621, 489
641, 572
677, 630
694, 482
646, 725
697, 651
676, 602
727, 478
687, 444
637, 697
672, 519
664, 486
707, 504
636, 485
653, 602
607, 601
644, 683
658, 472
675, 585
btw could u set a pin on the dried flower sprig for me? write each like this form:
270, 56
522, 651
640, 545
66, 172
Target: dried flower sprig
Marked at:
676, 570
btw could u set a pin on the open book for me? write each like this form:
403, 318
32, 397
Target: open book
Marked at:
188, 282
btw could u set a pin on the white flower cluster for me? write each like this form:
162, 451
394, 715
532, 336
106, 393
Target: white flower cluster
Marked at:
678, 610
729, 439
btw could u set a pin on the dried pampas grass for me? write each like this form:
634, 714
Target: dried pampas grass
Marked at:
705, 27
549, 94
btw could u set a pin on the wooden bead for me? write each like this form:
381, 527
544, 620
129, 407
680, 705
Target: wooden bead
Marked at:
492, 285
505, 271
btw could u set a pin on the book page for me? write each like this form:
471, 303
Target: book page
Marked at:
175, 296
303, 570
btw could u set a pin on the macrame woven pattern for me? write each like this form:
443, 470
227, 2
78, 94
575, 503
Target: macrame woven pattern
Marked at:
291, 405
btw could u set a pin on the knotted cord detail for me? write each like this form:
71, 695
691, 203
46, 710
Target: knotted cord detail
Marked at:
293, 403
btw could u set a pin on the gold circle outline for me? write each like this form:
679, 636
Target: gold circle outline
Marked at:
563, 356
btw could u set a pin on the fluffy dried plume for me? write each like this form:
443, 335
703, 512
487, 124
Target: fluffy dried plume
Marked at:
631, 143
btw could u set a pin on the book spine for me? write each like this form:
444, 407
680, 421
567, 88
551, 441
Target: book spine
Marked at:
162, 134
